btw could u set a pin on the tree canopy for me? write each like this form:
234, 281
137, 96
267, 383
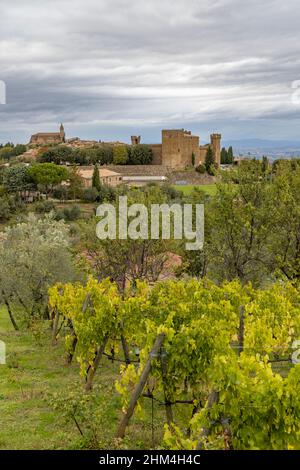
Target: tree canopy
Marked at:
47, 175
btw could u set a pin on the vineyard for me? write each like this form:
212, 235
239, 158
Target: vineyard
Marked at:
111, 344
223, 355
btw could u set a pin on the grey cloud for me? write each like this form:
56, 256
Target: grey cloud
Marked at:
106, 68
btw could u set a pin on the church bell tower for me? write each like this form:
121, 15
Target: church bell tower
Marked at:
62, 133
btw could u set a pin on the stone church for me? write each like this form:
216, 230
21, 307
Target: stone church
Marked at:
49, 137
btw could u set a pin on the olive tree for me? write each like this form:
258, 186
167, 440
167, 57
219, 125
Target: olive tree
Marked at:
34, 254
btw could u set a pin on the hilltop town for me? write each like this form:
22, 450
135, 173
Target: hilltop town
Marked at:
178, 151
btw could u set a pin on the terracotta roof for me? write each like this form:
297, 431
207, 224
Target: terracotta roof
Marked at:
87, 173
46, 134
105, 172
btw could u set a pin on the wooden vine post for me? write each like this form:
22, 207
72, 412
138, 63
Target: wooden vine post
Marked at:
241, 330
73, 334
92, 370
168, 405
55, 327
140, 386
212, 399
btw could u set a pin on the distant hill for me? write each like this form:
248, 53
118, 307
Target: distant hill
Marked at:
258, 147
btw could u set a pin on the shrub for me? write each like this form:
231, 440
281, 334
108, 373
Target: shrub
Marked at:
9, 205
120, 155
201, 169
107, 193
4, 209
60, 192
87, 413
171, 192
71, 213
90, 194
42, 207
140, 155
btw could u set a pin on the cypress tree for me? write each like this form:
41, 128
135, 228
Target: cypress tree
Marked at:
224, 156
230, 155
209, 160
96, 178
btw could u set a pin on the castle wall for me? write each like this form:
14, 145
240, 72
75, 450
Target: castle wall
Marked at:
202, 153
157, 153
178, 146
46, 139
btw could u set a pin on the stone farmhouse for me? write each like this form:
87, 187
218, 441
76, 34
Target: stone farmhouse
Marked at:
107, 177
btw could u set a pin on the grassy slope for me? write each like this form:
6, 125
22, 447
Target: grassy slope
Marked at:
31, 372
34, 371
209, 189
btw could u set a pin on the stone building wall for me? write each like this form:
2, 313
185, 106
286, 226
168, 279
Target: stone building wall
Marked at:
157, 153
202, 153
42, 139
178, 146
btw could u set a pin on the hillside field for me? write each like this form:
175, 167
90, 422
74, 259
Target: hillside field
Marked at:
209, 189
34, 372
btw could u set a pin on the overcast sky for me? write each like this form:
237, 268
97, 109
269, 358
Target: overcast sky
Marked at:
110, 68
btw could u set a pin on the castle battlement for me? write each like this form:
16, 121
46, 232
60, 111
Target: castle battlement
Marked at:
180, 149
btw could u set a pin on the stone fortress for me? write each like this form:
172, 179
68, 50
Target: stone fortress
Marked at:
178, 150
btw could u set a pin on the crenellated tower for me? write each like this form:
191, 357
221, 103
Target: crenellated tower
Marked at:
215, 141
135, 139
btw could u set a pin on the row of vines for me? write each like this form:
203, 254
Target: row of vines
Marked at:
225, 353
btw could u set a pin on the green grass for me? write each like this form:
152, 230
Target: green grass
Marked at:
209, 189
27, 421
34, 371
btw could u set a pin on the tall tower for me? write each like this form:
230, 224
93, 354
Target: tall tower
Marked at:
135, 139
215, 141
62, 133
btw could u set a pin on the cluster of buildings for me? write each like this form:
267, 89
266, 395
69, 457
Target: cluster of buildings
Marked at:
178, 149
